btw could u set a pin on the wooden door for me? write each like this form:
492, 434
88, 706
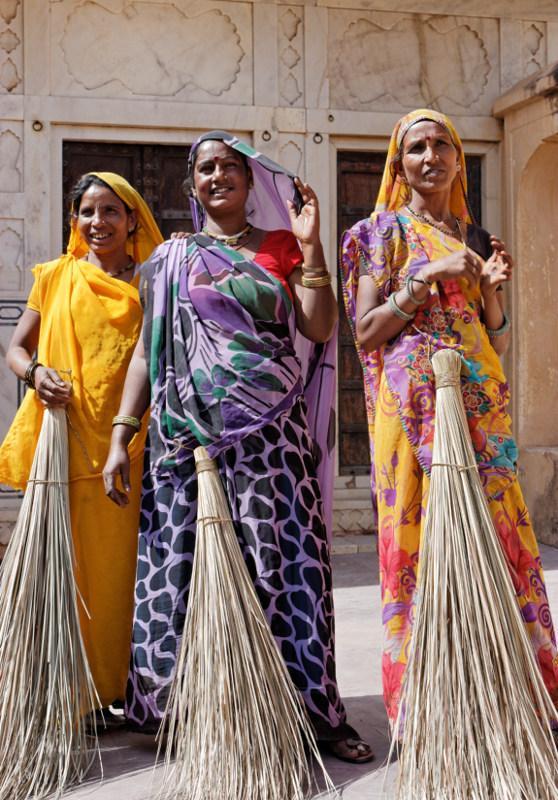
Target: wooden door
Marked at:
358, 179
156, 171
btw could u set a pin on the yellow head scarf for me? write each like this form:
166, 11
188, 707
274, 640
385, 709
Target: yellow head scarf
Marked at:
147, 234
393, 191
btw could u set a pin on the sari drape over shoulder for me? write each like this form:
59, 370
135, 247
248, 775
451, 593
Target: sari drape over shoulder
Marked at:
90, 323
221, 345
400, 400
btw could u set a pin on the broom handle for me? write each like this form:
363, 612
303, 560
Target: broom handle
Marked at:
203, 462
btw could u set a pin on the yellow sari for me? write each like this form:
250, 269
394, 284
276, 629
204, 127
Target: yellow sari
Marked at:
400, 398
90, 324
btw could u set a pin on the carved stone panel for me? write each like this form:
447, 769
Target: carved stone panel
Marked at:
11, 390
291, 56
533, 47
291, 152
393, 62
198, 52
11, 255
11, 50
11, 157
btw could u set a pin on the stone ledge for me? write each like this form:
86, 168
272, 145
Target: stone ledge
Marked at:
353, 543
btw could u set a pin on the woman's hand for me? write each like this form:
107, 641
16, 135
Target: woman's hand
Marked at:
462, 264
306, 225
117, 467
51, 389
498, 269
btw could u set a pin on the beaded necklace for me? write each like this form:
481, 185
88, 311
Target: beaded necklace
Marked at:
456, 233
233, 240
118, 272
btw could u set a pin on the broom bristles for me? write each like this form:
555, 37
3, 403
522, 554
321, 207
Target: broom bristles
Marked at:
45, 683
234, 721
475, 714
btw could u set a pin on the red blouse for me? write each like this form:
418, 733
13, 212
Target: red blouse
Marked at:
279, 254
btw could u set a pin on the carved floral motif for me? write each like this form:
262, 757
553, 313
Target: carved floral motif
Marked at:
533, 48
290, 156
8, 10
11, 255
291, 77
11, 34
152, 49
10, 170
412, 62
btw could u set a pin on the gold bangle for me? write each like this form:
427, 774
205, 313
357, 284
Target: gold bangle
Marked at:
124, 419
321, 270
317, 282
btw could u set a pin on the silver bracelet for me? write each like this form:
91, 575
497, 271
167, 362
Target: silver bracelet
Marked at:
409, 289
392, 303
504, 327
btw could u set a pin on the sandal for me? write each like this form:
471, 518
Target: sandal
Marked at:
356, 751
104, 721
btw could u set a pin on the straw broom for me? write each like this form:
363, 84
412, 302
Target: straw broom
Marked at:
475, 713
45, 682
235, 723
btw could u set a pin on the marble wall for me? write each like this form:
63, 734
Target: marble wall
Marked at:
301, 79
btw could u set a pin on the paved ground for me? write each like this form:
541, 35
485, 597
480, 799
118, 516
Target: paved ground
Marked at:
128, 758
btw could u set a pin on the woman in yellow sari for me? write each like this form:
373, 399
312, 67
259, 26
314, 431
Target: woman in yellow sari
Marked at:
83, 319
418, 276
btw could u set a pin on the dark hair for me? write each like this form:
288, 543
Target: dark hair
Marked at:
82, 185
188, 182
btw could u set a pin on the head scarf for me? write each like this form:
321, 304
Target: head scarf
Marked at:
266, 207
146, 236
393, 191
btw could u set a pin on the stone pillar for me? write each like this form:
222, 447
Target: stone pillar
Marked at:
530, 114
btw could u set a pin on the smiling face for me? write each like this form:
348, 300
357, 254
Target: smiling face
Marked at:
221, 180
104, 221
429, 158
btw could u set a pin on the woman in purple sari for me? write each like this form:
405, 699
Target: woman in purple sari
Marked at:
237, 355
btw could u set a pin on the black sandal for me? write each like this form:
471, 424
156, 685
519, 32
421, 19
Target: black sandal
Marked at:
341, 749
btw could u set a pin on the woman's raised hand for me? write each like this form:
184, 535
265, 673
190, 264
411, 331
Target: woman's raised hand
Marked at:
51, 389
462, 264
306, 224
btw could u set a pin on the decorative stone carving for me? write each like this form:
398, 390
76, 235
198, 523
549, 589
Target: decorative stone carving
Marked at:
11, 62
11, 395
8, 10
9, 40
10, 161
290, 46
397, 61
11, 254
533, 50
153, 49
290, 23
290, 156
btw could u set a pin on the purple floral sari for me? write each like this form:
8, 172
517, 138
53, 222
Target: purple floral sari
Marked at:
221, 347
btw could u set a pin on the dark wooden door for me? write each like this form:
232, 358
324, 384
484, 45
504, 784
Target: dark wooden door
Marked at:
358, 179
156, 171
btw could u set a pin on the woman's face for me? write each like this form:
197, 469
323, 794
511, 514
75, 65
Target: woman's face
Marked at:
429, 158
221, 179
103, 221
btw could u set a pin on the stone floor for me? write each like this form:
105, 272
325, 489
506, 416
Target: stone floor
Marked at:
128, 758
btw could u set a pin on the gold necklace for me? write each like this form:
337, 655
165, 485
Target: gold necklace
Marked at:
456, 233
233, 240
